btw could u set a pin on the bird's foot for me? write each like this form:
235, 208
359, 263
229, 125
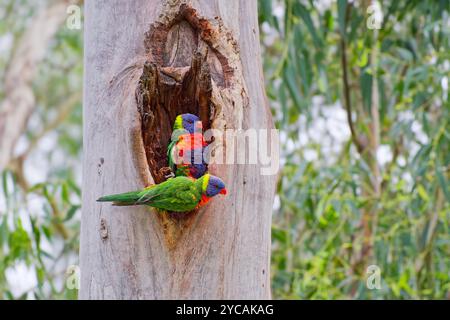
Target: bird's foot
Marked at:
170, 175
166, 172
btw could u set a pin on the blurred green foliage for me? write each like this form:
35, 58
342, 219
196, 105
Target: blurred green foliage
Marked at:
40, 193
326, 189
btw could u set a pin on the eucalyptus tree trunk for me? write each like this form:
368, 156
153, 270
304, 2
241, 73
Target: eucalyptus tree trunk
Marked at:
145, 62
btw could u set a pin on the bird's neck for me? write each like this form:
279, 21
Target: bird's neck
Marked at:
204, 200
199, 184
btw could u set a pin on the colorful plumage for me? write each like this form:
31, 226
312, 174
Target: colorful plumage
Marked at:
186, 123
186, 155
186, 149
180, 194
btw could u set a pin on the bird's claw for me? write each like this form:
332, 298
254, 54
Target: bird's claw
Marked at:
170, 175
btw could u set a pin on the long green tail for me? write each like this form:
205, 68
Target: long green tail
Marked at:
122, 199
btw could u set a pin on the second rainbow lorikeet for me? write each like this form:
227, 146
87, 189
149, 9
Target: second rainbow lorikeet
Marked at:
179, 194
186, 156
185, 151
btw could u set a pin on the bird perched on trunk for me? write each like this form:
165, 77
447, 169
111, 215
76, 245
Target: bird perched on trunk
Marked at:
179, 194
186, 149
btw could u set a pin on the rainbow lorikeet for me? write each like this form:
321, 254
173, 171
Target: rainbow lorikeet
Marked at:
179, 194
186, 155
186, 149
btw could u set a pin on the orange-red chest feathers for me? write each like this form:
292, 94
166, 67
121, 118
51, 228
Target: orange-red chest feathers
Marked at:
204, 200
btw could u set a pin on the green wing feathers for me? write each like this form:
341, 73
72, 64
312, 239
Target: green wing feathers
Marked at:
179, 194
170, 155
127, 198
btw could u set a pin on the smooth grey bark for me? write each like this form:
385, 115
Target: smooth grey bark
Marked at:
225, 254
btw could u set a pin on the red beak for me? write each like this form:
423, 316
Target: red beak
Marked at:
223, 191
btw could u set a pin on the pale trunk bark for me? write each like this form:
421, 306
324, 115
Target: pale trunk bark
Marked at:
220, 252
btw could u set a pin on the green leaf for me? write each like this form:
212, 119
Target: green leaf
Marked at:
265, 11
74, 187
423, 193
5, 183
65, 193
366, 89
19, 242
342, 17
442, 181
73, 209
279, 234
40, 272
300, 10
291, 83
4, 231
404, 54
37, 187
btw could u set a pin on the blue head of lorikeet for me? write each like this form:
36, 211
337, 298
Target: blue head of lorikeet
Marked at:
215, 186
211, 186
189, 122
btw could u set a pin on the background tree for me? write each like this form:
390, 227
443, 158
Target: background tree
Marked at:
40, 93
373, 191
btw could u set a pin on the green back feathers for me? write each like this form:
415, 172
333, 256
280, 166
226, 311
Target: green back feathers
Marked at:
179, 194
182, 170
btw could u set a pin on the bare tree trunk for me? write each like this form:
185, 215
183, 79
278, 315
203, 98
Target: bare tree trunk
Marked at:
19, 101
146, 61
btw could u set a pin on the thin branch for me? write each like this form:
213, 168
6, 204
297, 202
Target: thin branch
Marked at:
16, 164
347, 100
375, 115
64, 111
